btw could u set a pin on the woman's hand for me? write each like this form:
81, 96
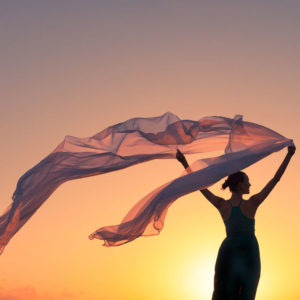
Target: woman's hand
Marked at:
291, 150
181, 158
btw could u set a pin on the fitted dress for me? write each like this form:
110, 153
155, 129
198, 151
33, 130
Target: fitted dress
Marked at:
237, 269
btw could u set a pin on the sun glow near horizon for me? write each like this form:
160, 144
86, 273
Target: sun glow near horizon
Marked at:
199, 277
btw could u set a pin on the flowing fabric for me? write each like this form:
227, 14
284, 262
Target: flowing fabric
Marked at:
135, 141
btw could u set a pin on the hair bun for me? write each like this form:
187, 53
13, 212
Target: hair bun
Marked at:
233, 180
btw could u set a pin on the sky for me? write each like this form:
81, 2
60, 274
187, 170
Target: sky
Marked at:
77, 67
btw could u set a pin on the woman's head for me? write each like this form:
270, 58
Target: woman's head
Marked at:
237, 182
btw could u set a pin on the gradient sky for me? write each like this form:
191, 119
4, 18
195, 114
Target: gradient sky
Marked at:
76, 67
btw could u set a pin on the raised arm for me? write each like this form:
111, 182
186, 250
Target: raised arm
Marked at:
213, 199
258, 198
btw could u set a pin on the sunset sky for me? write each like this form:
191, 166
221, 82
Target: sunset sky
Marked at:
73, 67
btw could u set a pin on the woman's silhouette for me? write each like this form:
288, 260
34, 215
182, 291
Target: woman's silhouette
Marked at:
237, 268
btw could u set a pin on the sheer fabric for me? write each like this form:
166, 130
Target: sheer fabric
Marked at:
135, 141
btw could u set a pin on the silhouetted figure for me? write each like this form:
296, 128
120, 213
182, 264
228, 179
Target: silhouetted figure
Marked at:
237, 269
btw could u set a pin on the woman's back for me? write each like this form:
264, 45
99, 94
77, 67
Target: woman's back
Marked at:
237, 222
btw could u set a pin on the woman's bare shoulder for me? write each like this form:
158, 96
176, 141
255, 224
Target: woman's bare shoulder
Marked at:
248, 208
225, 209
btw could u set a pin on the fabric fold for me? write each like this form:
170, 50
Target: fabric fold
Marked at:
135, 141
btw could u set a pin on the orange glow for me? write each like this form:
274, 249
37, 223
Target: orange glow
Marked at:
81, 66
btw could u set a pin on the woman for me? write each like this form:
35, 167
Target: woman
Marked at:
237, 268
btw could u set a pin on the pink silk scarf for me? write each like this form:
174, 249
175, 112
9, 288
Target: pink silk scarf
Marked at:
135, 141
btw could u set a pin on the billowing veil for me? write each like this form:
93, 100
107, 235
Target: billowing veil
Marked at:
135, 141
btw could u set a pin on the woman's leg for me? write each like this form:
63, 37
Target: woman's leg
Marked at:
249, 288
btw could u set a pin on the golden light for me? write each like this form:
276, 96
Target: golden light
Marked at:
200, 277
